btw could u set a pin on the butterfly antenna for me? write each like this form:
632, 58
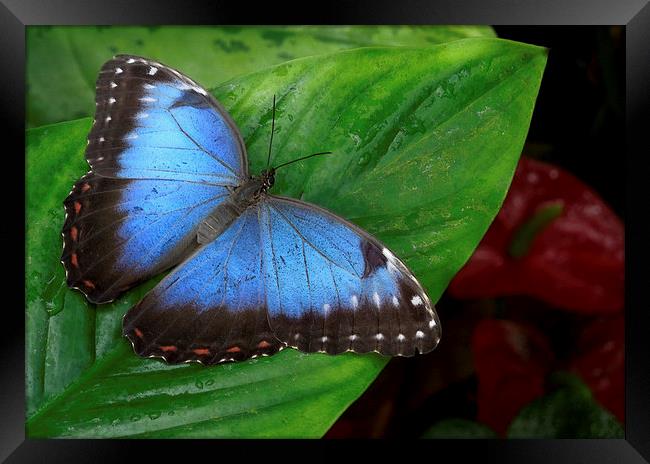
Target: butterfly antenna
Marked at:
268, 159
303, 158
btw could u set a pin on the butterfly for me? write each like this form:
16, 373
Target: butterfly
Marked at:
253, 273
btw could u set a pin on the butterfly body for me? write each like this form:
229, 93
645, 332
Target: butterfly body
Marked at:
255, 272
242, 197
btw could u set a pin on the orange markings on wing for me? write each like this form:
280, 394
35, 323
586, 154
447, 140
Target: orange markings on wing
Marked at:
234, 349
167, 348
263, 344
73, 260
77, 207
201, 351
88, 284
138, 332
74, 232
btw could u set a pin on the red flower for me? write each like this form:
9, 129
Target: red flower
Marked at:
553, 239
511, 362
600, 361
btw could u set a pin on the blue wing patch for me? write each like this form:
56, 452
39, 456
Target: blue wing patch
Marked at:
163, 154
212, 307
332, 287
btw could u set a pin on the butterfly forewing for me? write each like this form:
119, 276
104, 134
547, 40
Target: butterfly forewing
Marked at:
163, 154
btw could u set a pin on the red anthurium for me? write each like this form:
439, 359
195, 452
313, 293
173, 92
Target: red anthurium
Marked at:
511, 362
554, 239
600, 361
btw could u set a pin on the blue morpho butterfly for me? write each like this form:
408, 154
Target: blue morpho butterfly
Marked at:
169, 185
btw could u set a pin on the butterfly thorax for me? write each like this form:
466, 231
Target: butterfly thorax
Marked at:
240, 198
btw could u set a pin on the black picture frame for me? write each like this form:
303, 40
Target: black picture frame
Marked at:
15, 15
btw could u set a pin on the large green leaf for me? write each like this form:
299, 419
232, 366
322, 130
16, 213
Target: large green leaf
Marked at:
425, 144
62, 62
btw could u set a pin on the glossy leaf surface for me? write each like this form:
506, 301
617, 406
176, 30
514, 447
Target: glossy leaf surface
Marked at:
62, 62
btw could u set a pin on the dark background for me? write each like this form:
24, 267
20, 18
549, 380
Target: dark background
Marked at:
475, 11
578, 124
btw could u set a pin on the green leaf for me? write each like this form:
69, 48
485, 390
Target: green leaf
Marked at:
62, 62
425, 144
569, 412
459, 428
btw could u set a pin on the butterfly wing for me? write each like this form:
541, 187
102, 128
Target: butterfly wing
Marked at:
212, 307
285, 273
332, 287
163, 154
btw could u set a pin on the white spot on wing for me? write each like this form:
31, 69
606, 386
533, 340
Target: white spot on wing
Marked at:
111, 101
395, 301
379, 336
375, 298
296, 337
118, 70
326, 308
101, 139
108, 118
149, 86
355, 301
130, 60
432, 324
147, 99
353, 337
416, 300
419, 334
324, 339
113, 85
152, 70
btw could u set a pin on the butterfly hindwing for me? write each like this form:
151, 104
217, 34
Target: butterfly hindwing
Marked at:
332, 287
163, 154
212, 307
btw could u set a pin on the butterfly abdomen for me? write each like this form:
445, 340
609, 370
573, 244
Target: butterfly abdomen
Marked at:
229, 210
